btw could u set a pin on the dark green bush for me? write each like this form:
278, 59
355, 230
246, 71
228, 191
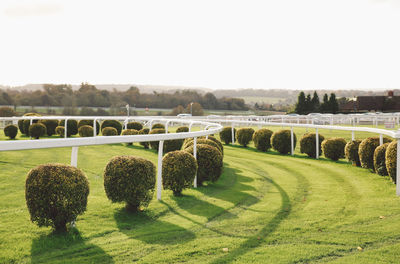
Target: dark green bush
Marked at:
60, 131
262, 139
280, 141
220, 146
333, 148
109, 131
37, 130
112, 123
226, 135
154, 144
6, 111
172, 145
391, 160
131, 180
178, 171
204, 141
308, 144
244, 135
129, 132
182, 129
23, 125
89, 123
56, 194
85, 131
379, 160
11, 131
157, 126
351, 152
50, 126
134, 125
72, 126
144, 131
209, 161
366, 151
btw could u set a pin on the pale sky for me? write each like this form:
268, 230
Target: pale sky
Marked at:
296, 44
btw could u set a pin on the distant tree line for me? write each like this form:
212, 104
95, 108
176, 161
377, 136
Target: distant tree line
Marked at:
306, 104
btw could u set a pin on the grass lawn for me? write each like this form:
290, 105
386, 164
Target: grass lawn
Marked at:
266, 208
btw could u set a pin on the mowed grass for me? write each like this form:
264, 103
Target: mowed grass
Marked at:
266, 208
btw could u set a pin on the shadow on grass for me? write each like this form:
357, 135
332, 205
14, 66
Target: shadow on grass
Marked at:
66, 248
142, 227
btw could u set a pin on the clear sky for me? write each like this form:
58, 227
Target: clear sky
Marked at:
296, 44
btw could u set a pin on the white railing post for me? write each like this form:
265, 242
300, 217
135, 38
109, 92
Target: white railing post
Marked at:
166, 127
352, 135
126, 123
380, 139
95, 127
190, 126
398, 168
195, 157
233, 134
30, 123
65, 127
291, 141
74, 156
159, 169
316, 144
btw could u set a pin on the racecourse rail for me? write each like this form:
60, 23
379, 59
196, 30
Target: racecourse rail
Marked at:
209, 127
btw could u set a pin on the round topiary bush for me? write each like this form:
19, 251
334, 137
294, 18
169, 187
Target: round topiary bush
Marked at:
60, 131
172, 145
56, 194
366, 151
281, 141
178, 171
85, 131
226, 135
154, 144
220, 146
50, 126
379, 159
112, 123
157, 126
131, 180
351, 152
37, 130
308, 144
134, 125
333, 148
109, 131
204, 141
23, 125
209, 161
11, 131
182, 129
144, 131
72, 126
391, 160
262, 139
89, 123
129, 132
244, 135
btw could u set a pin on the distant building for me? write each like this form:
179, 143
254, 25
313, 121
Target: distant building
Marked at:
389, 103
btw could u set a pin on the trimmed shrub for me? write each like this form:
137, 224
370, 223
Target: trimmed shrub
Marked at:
50, 126
307, 144
37, 130
24, 126
85, 131
262, 139
281, 141
172, 145
178, 171
351, 152
244, 136
109, 131
366, 151
11, 131
220, 146
157, 126
182, 129
56, 194
6, 111
134, 125
333, 148
379, 160
204, 141
144, 131
89, 123
60, 131
112, 123
131, 180
154, 144
128, 132
72, 126
391, 160
226, 135
209, 161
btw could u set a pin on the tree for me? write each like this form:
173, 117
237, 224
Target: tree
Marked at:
315, 102
325, 104
301, 103
333, 104
309, 106
197, 109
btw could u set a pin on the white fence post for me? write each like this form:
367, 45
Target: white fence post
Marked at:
316, 144
291, 141
65, 127
352, 135
233, 134
380, 139
195, 157
74, 156
159, 169
95, 128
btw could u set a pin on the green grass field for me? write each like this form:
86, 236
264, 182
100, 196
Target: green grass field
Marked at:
266, 208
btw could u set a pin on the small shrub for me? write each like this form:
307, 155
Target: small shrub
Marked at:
37, 130
6, 111
154, 144
11, 131
379, 160
366, 151
109, 131
262, 139
178, 171
333, 148
307, 144
72, 126
281, 141
220, 146
209, 161
85, 131
89, 123
351, 152
112, 123
182, 129
134, 125
244, 135
50, 126
144, 131
204, 141
56, 194
131, 180
24, 126
226, 135
157, 126
128, 132
60, 130
172, 145
391, 160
